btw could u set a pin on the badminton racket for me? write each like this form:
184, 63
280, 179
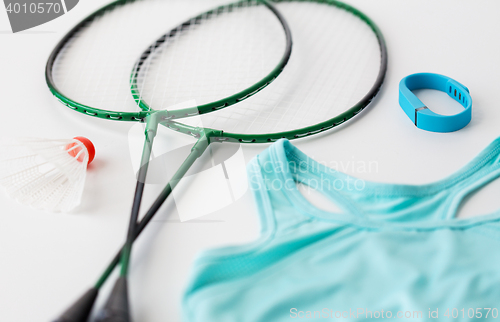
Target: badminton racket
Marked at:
89, 67
337, 68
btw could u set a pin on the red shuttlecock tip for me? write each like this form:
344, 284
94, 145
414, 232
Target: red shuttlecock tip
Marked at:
88, 145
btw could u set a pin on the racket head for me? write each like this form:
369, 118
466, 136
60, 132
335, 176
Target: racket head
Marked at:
90, 68
337, 67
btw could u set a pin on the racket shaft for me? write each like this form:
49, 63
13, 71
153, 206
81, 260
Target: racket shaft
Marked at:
139, 191
197, 150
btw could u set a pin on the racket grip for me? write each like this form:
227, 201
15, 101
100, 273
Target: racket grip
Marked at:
80, 310
116, 308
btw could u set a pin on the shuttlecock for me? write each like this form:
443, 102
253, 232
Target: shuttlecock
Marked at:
45, 174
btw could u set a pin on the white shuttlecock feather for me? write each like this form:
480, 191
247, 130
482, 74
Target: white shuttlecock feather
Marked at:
45, 174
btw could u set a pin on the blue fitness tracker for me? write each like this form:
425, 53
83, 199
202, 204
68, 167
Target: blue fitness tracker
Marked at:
424, 118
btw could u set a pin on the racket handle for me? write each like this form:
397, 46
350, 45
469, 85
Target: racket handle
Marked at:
117, 307
80, 310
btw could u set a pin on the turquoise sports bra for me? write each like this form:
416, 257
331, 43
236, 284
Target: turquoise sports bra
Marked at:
393, 251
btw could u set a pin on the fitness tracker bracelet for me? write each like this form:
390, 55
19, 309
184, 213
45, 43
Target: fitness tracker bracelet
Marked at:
424, 118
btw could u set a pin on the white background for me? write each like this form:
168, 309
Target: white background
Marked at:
47, 260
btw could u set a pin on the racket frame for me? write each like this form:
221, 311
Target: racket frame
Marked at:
222, 136
141, 116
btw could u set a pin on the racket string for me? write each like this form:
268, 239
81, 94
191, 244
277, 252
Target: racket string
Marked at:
93, 68
330, 70
234, 63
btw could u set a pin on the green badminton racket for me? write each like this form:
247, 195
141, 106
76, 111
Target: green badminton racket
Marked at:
215, 56
337, 68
